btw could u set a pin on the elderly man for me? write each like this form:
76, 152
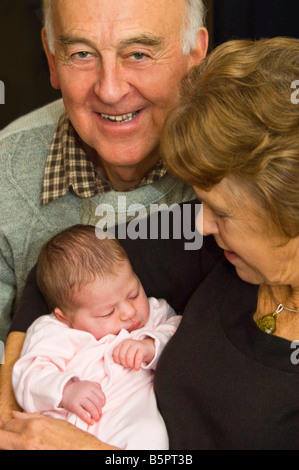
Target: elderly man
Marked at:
118, 65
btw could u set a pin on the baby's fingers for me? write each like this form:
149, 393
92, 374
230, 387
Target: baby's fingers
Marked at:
98, 399
138, 360
83, 411
89, 407
119, 353
115, 354
88, 411
122, 354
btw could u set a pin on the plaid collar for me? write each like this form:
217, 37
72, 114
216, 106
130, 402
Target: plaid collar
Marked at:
67, 167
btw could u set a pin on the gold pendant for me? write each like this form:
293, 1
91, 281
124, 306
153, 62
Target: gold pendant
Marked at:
268, 323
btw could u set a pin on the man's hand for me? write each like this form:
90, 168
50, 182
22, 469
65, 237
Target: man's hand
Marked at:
86, 399
13, 349
35, 432
132, 353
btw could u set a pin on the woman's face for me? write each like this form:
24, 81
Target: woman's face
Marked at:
242, 229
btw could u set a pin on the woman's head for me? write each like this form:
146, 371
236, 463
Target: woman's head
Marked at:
236, 121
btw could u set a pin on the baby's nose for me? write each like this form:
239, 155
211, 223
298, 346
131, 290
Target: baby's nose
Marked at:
128, 311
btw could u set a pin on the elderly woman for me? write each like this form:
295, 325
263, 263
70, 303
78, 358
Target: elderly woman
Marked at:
235, 138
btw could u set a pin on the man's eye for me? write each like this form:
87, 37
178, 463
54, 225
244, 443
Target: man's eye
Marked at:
81, 54
138, 55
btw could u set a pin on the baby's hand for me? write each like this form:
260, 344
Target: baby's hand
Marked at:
86, 399
131, 353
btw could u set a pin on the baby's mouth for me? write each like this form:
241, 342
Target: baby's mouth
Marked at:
135, 326
121, 118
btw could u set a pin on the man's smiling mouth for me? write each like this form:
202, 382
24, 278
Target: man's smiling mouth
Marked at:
121, 118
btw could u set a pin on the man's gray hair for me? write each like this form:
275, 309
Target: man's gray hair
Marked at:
194, 21
48, 24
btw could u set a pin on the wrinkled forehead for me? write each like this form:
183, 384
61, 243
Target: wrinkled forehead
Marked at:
161, 17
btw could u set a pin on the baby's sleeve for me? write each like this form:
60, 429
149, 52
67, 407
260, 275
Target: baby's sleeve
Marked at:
164, 323
39, 376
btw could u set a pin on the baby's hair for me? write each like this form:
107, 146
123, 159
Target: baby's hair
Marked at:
71, 260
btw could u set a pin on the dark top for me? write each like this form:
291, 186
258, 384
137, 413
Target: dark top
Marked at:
221, 383
165, 268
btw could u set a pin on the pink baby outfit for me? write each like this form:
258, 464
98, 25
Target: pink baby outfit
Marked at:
53, 353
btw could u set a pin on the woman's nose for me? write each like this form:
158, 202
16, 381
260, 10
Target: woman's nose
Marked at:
209, 222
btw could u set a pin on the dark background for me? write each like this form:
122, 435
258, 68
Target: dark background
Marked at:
24, 70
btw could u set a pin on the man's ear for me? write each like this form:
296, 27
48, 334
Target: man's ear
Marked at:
62, 317
51, 61
201, 48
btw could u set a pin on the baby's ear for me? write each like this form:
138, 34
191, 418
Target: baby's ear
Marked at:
62, 317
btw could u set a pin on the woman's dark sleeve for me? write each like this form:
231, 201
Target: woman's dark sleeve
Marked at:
31, 306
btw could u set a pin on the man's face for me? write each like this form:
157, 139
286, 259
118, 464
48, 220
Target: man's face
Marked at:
118, 64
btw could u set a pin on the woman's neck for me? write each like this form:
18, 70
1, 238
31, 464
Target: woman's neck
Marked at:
287, 323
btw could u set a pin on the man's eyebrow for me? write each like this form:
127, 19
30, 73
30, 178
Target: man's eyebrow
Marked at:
144, 39
69, 40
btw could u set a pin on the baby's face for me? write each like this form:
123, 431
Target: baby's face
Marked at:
109, 305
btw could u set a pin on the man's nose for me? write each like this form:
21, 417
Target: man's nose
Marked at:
111, 86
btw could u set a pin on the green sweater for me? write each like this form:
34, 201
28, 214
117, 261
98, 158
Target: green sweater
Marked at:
25, 225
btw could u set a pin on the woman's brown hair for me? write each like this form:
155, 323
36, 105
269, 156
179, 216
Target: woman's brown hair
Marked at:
236, 119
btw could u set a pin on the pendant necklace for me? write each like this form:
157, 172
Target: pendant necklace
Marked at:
268, 323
